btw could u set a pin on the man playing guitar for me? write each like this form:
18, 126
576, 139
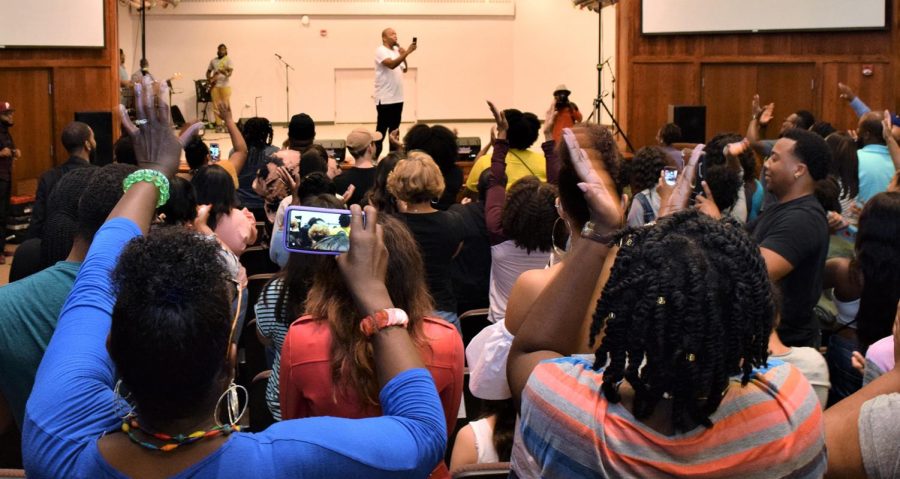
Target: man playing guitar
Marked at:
218, 73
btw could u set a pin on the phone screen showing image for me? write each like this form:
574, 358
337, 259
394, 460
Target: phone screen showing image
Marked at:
214, 151
671, 175
316, 230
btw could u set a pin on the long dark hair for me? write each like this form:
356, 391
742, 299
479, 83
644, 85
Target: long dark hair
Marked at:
877, 263
214, 186
690, 296
378, 196
844, 163
504, 426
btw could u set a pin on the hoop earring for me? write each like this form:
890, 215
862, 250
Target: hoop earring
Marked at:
556, 249
232, 403
122, 408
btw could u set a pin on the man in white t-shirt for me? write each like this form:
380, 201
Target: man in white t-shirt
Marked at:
217, 74
390, 65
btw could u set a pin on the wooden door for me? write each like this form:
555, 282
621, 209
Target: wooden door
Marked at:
654, 87
727, 92
873, 89
29, 92
791, 86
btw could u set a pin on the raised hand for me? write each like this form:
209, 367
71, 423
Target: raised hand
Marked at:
364, 265
223, 109
767, 114
348, 193
550, 121
500, 120
886, 128
845, 92
706, 204
606, 209
155, 143
684, 185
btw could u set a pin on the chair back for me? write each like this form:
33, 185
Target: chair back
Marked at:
488, 470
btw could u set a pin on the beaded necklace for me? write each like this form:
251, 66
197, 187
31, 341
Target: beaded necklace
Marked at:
173, 442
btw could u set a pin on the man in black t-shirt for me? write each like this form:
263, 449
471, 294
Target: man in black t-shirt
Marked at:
361, 145
793, 233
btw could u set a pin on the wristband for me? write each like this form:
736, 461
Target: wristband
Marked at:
150, 176
385, 318
590, 232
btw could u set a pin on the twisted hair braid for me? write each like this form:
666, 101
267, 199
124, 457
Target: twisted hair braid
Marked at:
690, 296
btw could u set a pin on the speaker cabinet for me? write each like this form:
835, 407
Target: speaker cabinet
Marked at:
101, 122
692, 121
468, 148
335, 148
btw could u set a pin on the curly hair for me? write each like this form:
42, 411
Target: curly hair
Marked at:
690, 296
171, 323
600, 145
878, 263
715, 155
523, 128
352, 363
315, 184
844, 163
724, 184
438, 141
529, 214
416, 179
378, 196
645, 167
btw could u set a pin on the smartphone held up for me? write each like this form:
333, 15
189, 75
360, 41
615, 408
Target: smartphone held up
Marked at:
311, 230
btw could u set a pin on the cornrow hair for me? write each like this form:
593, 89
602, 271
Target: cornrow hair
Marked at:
530, 213
690, 296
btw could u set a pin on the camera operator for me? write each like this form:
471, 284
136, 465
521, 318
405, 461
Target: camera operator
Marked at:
567, 113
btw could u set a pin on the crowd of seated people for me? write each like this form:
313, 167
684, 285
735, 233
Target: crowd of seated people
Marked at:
742, 320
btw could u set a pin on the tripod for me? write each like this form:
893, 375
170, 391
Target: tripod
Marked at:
598, 102
287, 87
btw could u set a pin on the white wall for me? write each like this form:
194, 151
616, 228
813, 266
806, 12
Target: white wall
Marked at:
461, 61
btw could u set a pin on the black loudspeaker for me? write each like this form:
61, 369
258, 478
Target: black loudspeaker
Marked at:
335, 148
102, 124
177, 117
468, 148
692, 121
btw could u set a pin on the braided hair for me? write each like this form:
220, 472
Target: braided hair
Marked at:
690, 296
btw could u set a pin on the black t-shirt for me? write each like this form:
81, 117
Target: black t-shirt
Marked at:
362, 178
798, 231
471, 269
453, 182
438, 235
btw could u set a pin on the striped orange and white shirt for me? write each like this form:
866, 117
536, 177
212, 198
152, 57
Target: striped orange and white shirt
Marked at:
770, 428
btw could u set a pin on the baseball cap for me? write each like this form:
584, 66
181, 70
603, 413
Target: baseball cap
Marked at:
6, 106
302, 127
361, 138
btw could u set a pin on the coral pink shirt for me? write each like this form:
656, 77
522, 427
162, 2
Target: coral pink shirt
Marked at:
306, 388
237, 230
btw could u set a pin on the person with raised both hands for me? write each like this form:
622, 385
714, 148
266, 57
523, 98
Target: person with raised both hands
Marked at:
156, 312
682, 367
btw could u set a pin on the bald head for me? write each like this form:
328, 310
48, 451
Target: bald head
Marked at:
870, 129
389, 37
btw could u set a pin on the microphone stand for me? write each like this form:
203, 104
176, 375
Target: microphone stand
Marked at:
287, 87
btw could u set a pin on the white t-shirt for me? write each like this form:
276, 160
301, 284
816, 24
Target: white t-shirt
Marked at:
812, 364
388, 81
220, 64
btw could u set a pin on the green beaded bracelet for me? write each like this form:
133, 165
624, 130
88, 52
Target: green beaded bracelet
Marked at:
150, 176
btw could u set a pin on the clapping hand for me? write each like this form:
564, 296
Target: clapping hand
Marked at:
845, 92
155, 144
550, 121
606, 210
500, 120
887, 126
678, 200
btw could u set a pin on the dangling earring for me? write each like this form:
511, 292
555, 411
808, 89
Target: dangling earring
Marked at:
121, 407
232, 405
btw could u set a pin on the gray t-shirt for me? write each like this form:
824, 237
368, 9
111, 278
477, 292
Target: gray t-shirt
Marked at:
814, 368
879, 436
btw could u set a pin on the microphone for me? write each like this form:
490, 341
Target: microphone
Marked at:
279, 56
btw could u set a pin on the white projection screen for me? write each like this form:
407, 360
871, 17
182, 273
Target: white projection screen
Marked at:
52, 23
729, 16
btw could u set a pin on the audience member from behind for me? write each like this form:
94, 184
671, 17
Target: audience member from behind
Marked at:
809, 361
440, 143
875, 166
78, 140
793, 233
862, 430
181, 209
567, 114
123, 151
378, 196
488, 438
326, 364
471, 268
361, 145
866, 287
258, 136
31, 306
645, 169
197, 153
416, 182
160, 315
730, 174
762, 117
311, 185
235, 228
669, 134
682, 367
844, 168
523, 132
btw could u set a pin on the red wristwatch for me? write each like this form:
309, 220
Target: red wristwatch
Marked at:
383, 319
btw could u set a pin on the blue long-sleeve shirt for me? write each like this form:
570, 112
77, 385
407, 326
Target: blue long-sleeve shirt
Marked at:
72, 406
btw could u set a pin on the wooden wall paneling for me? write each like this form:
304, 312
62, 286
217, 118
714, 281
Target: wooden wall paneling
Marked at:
727, 91
28, 91
78, 89
791, 86
874, 90
654, 87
